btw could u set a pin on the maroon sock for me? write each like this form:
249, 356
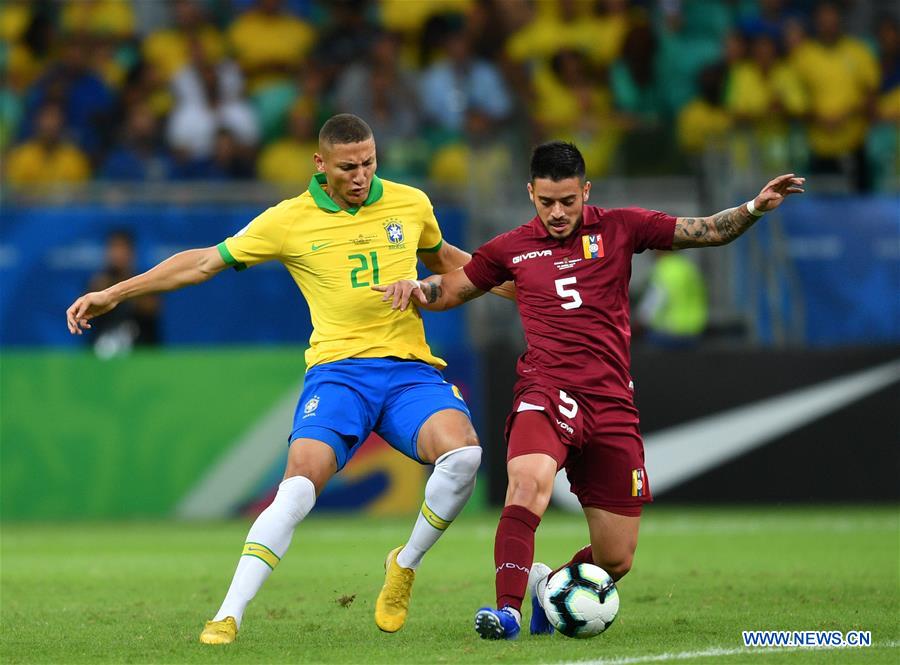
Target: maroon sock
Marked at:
514, 554
584, 555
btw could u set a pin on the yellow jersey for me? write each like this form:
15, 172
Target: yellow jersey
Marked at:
335, 256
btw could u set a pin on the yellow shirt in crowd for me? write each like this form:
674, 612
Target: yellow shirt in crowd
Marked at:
169, 50
753, 92
33, 164
838, 80
700, 125
262, 40
288, 162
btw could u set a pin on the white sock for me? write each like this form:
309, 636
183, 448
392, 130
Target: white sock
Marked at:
517, 615
538, 577
446, 492
267, 542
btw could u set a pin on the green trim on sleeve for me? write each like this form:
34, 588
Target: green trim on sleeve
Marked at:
228, 258
431, 250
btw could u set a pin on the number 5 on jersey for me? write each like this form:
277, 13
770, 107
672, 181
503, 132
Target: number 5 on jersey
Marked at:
565, 293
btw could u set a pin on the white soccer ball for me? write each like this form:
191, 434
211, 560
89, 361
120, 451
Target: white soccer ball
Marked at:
581, 600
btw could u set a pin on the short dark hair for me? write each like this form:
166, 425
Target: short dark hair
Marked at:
557, 160
344, 128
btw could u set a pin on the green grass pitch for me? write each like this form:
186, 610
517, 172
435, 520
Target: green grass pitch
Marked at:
140, 592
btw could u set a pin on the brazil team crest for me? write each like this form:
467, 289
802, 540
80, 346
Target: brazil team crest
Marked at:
394, 230
593, 246
309, 409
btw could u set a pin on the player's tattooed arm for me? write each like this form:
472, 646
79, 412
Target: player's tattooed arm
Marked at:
449, 258
438, 292
725, 226
467, 292
454, 289
718, 229
433, 291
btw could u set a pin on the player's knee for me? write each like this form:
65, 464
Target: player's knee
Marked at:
295, 497
461, 462
617, 566
530, 491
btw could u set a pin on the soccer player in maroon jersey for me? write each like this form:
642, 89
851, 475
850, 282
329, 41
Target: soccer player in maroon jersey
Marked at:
573, 404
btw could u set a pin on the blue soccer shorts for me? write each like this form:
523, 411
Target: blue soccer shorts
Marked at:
346, 400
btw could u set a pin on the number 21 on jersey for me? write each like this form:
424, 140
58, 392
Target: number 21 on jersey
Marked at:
362, 266
571, 296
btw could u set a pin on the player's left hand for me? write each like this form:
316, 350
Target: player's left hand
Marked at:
401, 292
777, 190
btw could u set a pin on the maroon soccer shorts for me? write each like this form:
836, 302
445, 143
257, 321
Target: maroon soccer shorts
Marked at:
596, 438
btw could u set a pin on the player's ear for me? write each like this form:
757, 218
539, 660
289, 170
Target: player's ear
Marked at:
530, 192
320, 163
587, 190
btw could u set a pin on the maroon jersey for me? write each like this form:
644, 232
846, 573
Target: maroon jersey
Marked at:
573, 294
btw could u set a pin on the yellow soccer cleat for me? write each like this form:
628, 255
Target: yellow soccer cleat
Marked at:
219, 632
393, 601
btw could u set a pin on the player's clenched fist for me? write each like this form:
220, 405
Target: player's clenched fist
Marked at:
86, 308
400, 292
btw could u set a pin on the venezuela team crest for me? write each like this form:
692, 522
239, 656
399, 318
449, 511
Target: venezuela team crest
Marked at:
593, 246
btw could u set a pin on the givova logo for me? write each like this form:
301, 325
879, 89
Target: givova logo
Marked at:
532, 255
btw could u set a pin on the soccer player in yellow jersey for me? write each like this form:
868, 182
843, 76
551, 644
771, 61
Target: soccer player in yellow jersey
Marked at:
369, 367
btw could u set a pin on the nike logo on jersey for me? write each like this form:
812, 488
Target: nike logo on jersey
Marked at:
316, 247
532, 255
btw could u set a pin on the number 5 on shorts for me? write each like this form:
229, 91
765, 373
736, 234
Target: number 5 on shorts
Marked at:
569, 402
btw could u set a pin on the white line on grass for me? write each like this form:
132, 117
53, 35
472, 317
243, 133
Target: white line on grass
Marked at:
714, 653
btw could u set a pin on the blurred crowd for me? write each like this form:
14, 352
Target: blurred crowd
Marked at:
455, 90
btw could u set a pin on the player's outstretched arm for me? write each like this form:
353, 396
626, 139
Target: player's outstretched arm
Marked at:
437, 293
190, 267
450, 257
725, 226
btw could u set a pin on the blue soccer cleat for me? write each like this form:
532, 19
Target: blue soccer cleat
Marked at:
537, 582
494, 624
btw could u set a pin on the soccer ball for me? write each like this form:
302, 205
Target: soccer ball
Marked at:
581, 600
